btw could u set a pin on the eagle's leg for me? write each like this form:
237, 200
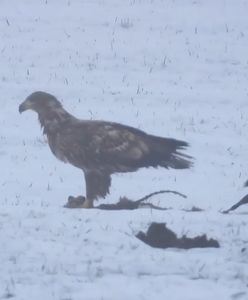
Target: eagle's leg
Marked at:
97, 186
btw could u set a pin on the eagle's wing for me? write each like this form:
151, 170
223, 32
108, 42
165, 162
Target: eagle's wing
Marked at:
128, 148
118, 148
96, 144
118, 142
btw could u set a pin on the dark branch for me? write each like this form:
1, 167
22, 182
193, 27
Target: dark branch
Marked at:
243, 201
160, 192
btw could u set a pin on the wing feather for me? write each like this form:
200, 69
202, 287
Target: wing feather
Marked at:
116, 148
101, 143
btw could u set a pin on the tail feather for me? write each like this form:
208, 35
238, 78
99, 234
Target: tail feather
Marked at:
166, 153
179, 161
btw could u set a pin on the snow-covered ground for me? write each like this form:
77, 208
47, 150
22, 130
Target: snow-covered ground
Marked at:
176, 68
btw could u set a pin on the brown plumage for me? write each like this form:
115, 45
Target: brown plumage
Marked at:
101, 148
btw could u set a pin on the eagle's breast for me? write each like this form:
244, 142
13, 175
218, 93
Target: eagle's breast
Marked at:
56, 147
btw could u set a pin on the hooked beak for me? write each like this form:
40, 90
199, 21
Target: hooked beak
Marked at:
24, 106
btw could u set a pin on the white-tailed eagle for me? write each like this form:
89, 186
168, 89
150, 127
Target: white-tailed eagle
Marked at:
101, 148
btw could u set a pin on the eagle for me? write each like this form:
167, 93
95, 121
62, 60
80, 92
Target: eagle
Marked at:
101, 148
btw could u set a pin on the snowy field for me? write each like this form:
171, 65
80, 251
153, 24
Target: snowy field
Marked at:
176, 68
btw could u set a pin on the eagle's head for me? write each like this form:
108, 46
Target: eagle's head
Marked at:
40, 102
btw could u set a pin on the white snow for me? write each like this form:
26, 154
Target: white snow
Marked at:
174, 68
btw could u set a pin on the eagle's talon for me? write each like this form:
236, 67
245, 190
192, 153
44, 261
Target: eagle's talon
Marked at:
75, 202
